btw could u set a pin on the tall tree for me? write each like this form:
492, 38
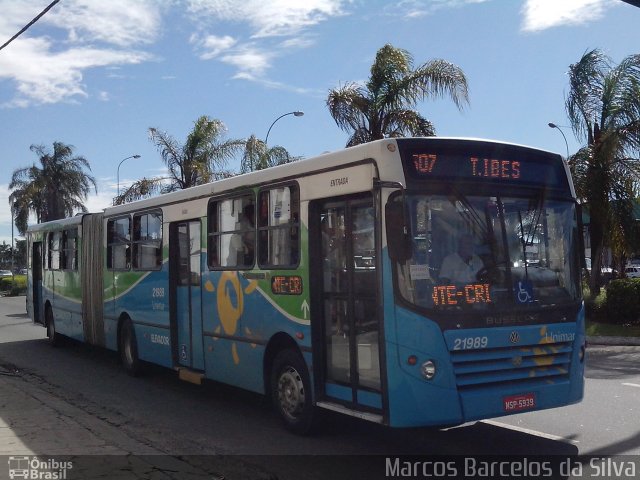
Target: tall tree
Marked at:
385, 105
603, 105
200, 159
258, 156
53, 190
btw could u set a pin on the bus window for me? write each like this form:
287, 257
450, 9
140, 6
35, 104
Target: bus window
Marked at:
279, 224
70, 249
118, 244
53, 251
147, 241
232, 234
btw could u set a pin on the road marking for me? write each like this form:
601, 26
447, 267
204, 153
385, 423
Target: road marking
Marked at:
631, 385
528, 431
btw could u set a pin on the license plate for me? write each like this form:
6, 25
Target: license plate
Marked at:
514, 403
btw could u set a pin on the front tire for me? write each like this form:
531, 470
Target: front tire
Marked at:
291, 392
129, 349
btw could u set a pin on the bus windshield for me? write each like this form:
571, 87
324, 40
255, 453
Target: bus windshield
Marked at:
490, 253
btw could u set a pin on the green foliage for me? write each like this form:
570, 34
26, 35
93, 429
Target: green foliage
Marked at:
622, 304
54, 190
199, 160
595, 306
603, 106
385, 105
19, 287
258, 156
608, 330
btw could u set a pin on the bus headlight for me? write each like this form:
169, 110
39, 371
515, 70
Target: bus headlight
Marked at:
428, 369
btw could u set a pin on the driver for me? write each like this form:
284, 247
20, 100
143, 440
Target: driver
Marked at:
463, 265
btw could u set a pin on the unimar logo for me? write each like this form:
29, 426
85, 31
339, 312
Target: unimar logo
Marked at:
38, 469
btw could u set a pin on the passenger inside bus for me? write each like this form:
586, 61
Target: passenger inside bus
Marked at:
242, 246
463, 265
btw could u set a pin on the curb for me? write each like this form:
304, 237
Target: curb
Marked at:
618, 341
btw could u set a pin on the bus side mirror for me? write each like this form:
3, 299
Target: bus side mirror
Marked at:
398, 240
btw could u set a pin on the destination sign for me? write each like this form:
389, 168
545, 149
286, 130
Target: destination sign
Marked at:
443, 295
428, 164
286, 284
482, 162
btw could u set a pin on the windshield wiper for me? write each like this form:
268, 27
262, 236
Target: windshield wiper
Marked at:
523, 242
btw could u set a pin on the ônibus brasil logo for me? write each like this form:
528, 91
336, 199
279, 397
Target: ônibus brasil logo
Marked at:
34, 468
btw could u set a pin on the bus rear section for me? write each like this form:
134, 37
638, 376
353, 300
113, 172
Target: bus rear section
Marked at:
483, 307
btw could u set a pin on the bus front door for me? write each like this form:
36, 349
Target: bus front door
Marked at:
345, 243
186, 280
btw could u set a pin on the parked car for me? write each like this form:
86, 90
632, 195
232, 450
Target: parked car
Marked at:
5, 273
632, 271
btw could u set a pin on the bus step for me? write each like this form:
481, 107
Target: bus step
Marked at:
190, 376
336, 407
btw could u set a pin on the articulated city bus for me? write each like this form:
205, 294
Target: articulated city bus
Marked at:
409, 282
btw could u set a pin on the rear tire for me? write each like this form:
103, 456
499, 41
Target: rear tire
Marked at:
291, 392
53, 337
129, 349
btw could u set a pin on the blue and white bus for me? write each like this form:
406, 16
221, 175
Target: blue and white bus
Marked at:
326, 283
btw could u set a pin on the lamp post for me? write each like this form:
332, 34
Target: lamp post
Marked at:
13, 252
118, 175
297, 113
553, 125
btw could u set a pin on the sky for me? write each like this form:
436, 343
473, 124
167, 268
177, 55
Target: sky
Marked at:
97, 75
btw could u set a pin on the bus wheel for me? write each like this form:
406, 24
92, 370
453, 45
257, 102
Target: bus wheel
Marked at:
291, 392
52, 335
129, 348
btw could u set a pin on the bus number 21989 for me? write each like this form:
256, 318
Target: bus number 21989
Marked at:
470, 343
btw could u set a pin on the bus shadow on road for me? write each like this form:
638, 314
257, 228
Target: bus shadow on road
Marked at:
477, 438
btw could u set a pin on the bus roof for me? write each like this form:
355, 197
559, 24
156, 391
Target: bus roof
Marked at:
57, 224
292, 170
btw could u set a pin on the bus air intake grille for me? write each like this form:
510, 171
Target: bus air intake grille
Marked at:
522, 364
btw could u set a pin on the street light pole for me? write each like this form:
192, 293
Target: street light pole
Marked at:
118, 175
553, 125
297, 113
13, 252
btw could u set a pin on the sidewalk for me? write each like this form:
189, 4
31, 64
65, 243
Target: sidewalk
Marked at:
37, 425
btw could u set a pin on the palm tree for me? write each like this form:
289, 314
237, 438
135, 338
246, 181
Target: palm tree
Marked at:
54, 190
257, 156
603, 106
385, 106
199, 160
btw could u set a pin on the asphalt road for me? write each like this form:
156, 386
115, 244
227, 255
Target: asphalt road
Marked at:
181, 419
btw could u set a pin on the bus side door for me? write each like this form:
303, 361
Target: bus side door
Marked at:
186, 279
345, 304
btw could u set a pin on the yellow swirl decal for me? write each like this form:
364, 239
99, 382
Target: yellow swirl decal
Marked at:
228, 289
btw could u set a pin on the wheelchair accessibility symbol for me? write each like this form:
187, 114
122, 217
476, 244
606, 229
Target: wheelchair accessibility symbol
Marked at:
524, 291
